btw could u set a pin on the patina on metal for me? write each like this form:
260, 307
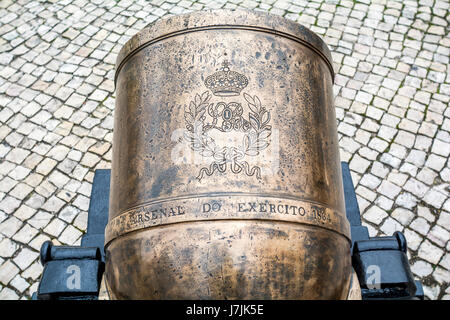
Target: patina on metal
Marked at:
226, 179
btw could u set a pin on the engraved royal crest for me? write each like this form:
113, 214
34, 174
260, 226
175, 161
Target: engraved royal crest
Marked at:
207, 122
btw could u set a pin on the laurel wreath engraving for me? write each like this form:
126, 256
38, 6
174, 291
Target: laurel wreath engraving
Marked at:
253, 142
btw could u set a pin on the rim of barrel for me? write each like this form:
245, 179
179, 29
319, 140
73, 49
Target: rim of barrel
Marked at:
223, 19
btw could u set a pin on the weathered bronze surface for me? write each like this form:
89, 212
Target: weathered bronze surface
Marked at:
226, 178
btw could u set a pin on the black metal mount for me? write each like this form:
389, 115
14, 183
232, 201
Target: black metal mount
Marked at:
380, 263
75, 273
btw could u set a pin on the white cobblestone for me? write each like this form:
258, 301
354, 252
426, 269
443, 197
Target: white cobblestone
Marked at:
7, 248
20, 284
441, 275
7, 272
57, 99
25, 258
425, 212
420, 225
8, 294
403, 216
375, 215
430, 252
439, 235
422, 268
413, 238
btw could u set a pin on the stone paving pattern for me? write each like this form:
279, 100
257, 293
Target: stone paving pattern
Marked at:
392, 91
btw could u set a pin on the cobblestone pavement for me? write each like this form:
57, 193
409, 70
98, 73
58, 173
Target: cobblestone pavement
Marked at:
57, 99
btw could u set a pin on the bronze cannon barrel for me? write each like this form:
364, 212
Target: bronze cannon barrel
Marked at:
226, 179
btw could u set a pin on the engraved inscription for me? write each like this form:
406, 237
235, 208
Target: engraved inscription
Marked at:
317, 213
214, 207
226, 208
146, 214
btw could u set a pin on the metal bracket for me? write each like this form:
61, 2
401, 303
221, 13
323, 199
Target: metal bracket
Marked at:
70, 273
380, 263
75, 273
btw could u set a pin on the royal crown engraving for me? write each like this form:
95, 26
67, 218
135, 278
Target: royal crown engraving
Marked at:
205, 120
225, 82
